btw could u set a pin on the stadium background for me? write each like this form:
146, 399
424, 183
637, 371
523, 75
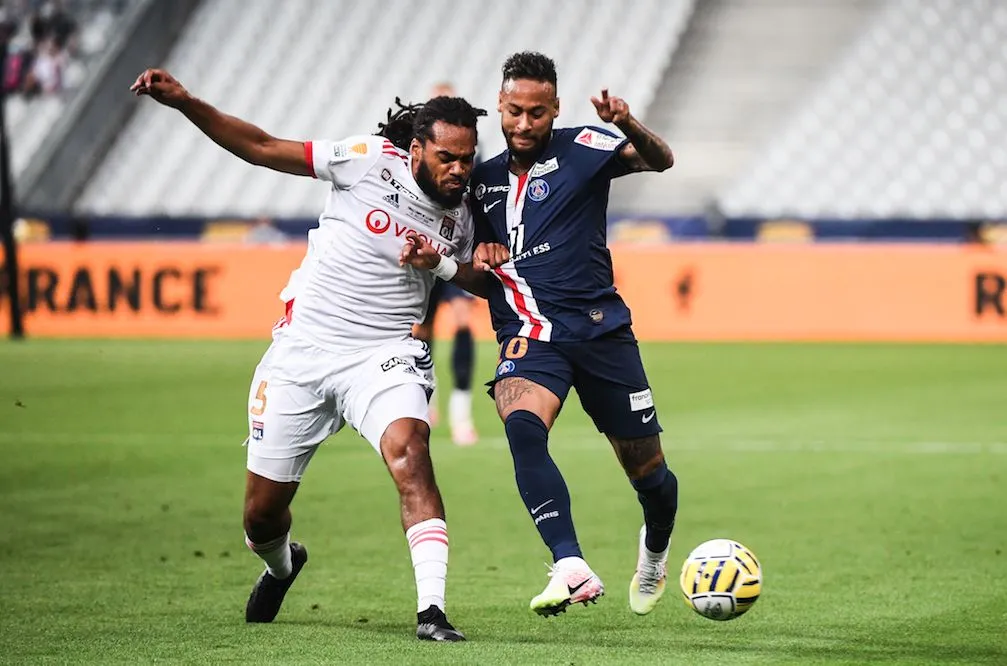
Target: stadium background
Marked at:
840, 181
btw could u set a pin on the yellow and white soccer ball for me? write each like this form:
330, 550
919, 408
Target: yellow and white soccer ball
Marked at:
721, 579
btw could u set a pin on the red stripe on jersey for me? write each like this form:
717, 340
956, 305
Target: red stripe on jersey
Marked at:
521, 180
287, 317
309, 157
519, 302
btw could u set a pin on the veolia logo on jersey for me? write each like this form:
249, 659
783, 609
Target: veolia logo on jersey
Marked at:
378, 221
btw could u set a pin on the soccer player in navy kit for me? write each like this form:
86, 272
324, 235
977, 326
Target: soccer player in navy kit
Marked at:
560, 322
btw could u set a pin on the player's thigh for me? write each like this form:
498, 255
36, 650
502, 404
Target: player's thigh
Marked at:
287, 420
385, 385
533, 376
612, 385
396, 420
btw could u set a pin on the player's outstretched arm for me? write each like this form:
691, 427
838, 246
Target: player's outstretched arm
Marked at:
645, 151
233, 134
473, 277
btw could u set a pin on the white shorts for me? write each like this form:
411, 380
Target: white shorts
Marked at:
301, 394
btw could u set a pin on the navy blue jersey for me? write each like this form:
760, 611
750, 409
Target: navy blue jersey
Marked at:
558, 285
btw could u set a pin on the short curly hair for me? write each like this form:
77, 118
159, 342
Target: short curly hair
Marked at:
530, 65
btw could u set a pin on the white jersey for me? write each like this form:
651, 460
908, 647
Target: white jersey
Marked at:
349, 291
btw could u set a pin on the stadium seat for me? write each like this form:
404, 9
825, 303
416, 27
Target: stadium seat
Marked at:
29, 121
311, 71
910, 123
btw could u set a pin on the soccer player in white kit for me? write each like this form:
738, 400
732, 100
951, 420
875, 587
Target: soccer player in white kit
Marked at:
343, 353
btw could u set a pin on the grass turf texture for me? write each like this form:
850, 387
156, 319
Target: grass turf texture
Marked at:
870, 480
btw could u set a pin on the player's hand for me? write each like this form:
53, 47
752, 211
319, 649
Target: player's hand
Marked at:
161, 86
613, 110
419, 253
488, 256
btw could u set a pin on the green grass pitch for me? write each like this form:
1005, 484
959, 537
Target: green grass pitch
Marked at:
871, 480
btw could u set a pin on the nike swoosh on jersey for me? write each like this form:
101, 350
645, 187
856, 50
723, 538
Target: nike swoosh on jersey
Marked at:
486, 207
648, 417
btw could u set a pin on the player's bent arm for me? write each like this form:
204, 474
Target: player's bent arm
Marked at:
245, 140
474, 280
469, 277
646, 151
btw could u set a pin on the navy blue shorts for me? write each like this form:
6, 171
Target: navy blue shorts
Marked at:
443, 292
607, 373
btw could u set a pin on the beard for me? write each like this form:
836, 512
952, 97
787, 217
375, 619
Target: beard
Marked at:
529, 154
425, 179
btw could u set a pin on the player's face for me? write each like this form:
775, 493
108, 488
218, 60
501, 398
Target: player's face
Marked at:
527, 110
443, 164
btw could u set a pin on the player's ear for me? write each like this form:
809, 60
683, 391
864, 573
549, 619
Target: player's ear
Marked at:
555, 108
500, 102
415, 149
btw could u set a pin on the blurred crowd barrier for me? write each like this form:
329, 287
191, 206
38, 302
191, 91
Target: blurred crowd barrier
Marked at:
707, 291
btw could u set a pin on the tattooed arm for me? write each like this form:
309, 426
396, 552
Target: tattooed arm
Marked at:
645, 151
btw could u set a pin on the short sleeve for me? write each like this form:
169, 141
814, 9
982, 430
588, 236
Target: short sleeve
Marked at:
599, 149
342, 163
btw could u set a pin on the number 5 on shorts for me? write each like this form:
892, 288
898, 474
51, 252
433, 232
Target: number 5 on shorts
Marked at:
260, 395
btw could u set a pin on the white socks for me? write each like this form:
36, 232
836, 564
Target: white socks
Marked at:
428, 546
460, 407
276, 555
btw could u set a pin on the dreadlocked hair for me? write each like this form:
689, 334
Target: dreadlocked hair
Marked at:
416, 121
398, 125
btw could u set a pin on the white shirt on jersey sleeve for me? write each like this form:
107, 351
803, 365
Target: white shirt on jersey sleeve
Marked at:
343, 163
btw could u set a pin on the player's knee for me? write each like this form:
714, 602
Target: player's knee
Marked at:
261, 515
640, 457
407, 453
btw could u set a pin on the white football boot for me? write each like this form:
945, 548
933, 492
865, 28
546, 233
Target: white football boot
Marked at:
571, 581
650, 579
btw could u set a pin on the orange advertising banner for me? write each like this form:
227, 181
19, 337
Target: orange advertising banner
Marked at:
676, 292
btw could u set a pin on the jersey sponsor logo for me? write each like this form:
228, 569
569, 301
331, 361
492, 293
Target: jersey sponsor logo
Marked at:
542, 168
505, 367
378, 221
359, 148
538, 190
387, 176
647, 418
483, 190
447, 227
640, 400
392, 199
392, 362
541, 248
258, 430
597, 140
419, 215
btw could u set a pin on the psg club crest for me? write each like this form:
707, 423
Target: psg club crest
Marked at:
538, 190
447, 228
